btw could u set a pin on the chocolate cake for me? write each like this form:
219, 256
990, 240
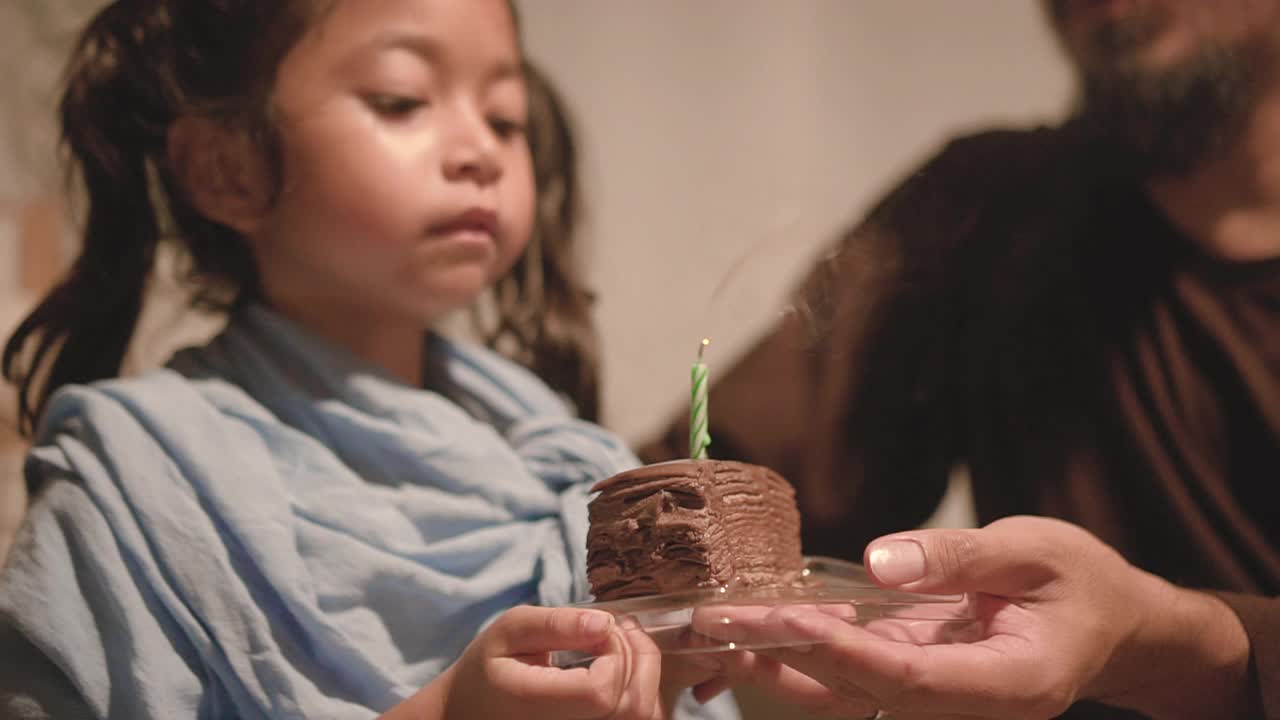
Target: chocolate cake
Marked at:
692, 524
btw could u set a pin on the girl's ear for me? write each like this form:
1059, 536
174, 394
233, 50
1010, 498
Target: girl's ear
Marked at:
220, 171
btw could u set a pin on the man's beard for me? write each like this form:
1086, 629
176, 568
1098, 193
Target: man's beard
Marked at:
1164, 122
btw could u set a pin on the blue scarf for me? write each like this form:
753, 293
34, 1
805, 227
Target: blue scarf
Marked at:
271, 528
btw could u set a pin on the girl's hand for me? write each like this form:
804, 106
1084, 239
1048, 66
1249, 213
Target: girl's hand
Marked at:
504, 672
1061, 616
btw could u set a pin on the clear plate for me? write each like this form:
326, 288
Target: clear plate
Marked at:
746, 618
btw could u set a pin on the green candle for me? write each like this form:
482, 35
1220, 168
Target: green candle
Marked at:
699, 436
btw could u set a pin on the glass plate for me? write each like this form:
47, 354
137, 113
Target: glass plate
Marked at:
752, 618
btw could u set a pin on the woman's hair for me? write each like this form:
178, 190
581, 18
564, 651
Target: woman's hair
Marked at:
140, 65
544, 319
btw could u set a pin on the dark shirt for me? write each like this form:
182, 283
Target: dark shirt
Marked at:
1019, 305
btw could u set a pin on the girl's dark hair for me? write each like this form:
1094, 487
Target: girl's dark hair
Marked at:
137, 67
544, 312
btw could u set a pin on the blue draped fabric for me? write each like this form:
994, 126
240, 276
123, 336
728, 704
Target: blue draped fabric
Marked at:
271, 528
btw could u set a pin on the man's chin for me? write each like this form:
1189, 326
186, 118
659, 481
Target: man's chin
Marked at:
1101, 35
1165, 120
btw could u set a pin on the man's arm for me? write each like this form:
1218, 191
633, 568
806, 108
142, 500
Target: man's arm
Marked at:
1206, 655
1192, 661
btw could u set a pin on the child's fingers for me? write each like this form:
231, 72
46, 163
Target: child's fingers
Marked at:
600, 690
643, 696
622, 682
574, 694
528, 630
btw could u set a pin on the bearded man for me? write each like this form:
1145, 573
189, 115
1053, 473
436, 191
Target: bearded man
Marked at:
1087, 318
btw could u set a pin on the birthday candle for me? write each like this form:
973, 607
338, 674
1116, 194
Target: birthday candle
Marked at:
699, 436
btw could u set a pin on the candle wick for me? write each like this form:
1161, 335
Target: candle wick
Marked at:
702, 347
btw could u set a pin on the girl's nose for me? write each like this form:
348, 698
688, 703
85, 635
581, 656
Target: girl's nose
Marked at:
472, 153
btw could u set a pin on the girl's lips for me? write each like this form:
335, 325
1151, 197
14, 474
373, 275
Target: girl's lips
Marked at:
473, 220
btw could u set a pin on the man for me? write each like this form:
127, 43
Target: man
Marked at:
1087, 316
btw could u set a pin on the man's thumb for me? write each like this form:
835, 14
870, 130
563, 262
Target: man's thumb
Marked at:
1001, 559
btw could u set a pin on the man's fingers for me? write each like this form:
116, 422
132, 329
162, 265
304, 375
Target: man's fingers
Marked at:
1013, 557
979, 679
784, 684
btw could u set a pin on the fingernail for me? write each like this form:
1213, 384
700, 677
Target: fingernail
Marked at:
596, 623
897, 562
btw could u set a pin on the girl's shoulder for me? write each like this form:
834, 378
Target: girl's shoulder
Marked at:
155, 399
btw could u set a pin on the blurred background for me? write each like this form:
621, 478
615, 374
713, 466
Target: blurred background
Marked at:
727, 141
724, 144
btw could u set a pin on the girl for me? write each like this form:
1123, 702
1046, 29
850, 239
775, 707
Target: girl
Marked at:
322, 512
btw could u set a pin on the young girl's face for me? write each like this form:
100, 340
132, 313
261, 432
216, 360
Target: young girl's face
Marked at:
408, 186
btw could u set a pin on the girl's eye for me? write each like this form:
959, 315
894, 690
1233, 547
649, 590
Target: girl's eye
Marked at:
506, 128
394, 106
